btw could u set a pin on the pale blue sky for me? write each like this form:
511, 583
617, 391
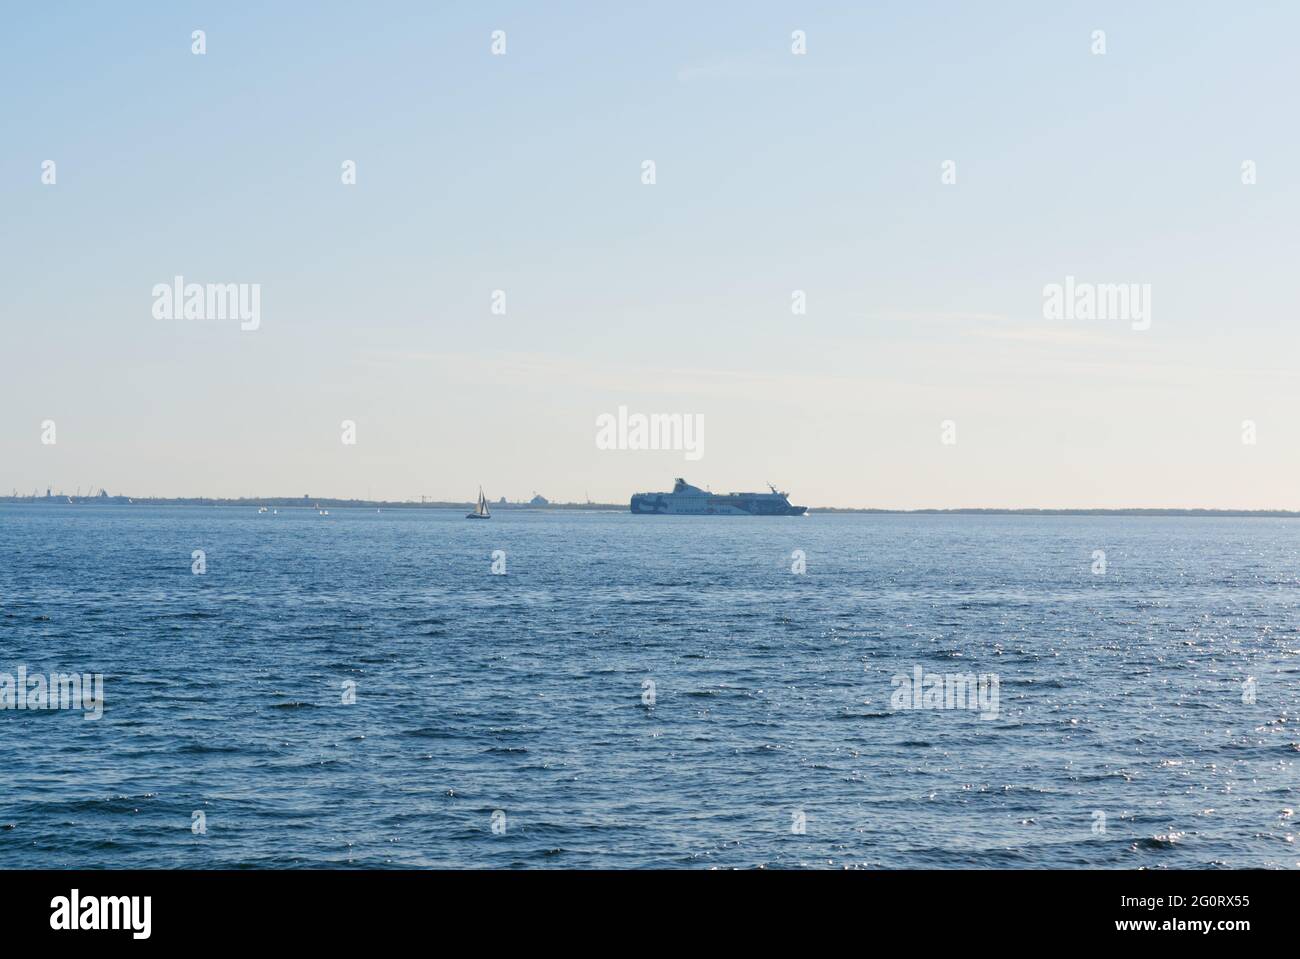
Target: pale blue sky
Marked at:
775, 172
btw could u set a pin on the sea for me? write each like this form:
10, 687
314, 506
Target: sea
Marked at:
565, 689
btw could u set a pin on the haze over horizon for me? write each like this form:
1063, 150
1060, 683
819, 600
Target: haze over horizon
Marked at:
774, 173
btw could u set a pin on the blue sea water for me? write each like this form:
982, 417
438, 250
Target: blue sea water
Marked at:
522, 699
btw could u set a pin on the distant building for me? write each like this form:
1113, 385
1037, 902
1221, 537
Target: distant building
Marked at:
502, 501
539, 500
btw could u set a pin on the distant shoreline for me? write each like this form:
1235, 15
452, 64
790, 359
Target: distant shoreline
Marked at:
284, 502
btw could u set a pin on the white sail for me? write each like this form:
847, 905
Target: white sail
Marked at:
480, 508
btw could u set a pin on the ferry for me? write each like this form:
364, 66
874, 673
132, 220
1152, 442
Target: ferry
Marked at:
688, 500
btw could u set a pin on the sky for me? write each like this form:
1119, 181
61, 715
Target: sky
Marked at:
774, 172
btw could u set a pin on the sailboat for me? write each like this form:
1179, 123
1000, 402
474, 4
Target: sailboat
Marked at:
481, 510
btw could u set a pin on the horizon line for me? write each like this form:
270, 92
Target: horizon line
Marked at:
311, 502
